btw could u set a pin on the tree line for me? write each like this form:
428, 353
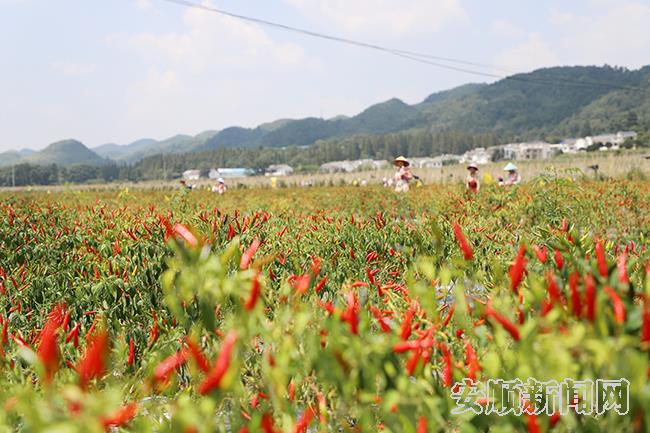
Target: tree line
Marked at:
412, 143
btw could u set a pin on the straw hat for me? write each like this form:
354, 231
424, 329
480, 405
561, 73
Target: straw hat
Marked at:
472, 165
510, 167
220, 180
401, 160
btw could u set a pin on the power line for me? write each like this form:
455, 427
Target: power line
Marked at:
412, 55
311, 33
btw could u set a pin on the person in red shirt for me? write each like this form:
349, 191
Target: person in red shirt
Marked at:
472, 181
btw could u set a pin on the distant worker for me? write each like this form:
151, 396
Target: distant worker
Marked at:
472, 181
185, 186
403, 175
513, 175
220, 187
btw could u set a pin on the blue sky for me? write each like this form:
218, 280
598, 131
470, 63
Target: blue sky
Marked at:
119, 70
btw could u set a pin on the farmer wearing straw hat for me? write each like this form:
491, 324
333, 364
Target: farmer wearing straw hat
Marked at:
513, 175
403, 175
472, 179
220, 187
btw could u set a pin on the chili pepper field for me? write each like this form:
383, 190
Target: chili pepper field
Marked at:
334, 309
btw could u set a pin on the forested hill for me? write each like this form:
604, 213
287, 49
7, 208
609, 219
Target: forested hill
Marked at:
551, 103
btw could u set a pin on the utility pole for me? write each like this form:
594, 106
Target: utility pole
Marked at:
13, 176
164, 167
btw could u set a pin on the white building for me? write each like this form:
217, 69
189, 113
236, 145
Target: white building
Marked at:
192, 174
279, 170
216, 173
478, 156
614, 140
350, 166
435, 162
528, 151
425, 162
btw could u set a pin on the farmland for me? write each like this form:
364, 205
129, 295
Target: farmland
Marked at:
320, 309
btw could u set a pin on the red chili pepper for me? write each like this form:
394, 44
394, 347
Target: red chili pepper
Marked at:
540, 252
574, 280
48, 352
413, 361
447, 368
621, 263
449, 314
247, 257
351, 314
590, 297
91, 330
600, 259
321, 284
221, 365
184, 233
554, 419
422, 425
504, 322
66, 321
292, 391
462, 242
74, 335
619, 306
131, 352
380, 319
406, 346
254, 293
533, 426
5, 339
267, 424
406, 324
300, 283
327, 306
93, 363
120, 417
304, 421
553, 289
471, 361
172, 362
195, 351
559, 260
518, 268
315, 266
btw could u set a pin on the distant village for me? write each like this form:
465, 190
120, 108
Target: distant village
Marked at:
535, 150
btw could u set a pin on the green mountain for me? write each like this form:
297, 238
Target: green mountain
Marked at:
554, 102
65, 153
536, 104
117, 152
10, 157
528, 106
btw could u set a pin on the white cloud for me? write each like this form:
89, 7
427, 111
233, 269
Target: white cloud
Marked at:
212, 72
156, 95
378, 17
530, 54
506, 29
212, 40
144, 4
72, 68
617, 34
